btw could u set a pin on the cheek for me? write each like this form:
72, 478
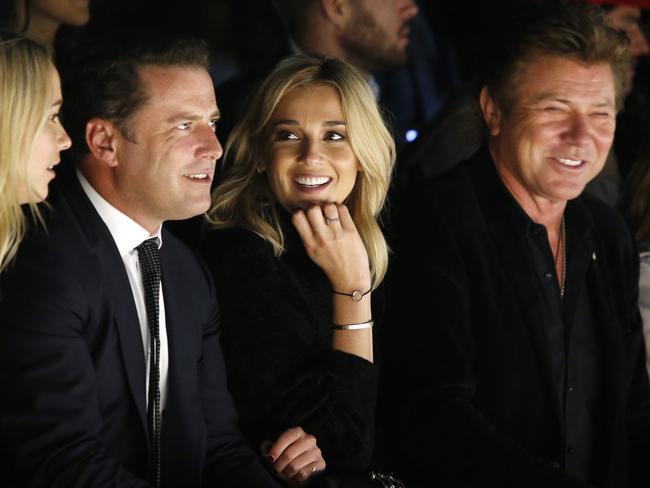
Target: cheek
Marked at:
276, 178
42, 148
348, 171
605, 137
282, 155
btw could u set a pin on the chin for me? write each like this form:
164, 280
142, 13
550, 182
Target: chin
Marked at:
39, 195
568, 194
194, 211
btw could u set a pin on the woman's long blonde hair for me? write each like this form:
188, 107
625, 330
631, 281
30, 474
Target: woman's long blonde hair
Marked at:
25, 71
245, 198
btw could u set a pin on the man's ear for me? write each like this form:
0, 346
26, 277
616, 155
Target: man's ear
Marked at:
336, 11
102, 140
491, 113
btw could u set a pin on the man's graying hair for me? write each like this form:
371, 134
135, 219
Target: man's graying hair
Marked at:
104, 81
568, 29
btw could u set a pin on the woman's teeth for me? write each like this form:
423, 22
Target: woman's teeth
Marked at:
312, 180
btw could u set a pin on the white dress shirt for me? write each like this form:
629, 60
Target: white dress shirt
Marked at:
128, 235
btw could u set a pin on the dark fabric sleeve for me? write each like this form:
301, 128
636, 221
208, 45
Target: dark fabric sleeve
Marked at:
280, 373
229, 457
429, 350
51, 421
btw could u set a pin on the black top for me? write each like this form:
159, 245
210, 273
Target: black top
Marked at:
574, 351
472, 385
276, 338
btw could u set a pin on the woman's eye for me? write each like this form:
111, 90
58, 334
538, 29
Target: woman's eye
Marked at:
285, 135
553, 109
55, 117
334, 136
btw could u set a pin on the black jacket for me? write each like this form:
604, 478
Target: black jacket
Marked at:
72, 368
469, 381
276, 339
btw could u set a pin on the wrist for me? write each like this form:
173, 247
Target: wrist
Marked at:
350, 284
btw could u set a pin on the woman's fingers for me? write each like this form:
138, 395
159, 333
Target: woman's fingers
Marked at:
304, 466
333, 243
331, 216
291, 445
294, 456
286, 439
302, 225
346, 219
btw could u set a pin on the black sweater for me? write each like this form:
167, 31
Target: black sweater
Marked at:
276, 339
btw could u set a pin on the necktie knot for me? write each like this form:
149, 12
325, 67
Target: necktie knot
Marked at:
149, 256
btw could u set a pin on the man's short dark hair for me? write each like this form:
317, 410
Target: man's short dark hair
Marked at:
103, 81
569, 29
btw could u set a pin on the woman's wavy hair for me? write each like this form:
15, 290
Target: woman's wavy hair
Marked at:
25, 71
245, 198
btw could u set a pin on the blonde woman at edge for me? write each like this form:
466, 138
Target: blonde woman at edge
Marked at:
31, 135
296, 250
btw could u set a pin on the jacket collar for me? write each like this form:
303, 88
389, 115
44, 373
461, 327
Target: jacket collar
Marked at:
117, 286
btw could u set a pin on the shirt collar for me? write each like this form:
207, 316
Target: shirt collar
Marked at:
126, 232
504, 208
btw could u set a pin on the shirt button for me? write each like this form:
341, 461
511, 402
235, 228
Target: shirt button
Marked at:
569, 450
548, 276
571, 389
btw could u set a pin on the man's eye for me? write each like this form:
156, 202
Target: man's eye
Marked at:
183, 126
213, 123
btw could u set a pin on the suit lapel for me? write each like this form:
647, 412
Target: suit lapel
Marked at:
118, 288
608, 331
178, 317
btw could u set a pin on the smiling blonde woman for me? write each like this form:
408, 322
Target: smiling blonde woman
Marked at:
296, 248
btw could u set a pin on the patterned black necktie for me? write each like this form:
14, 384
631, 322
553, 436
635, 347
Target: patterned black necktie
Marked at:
149, 257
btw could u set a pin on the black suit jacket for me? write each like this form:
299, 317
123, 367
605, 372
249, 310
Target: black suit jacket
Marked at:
469, 378
72, 367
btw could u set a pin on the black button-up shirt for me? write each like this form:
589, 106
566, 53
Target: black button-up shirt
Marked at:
575, 356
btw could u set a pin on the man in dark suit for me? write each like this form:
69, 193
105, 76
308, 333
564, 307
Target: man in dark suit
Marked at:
516, 347
111, 377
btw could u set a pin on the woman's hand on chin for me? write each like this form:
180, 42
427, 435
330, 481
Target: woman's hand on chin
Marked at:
332, 241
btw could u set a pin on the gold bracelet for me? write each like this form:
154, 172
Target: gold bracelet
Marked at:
363, 325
